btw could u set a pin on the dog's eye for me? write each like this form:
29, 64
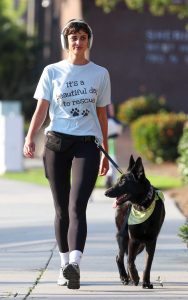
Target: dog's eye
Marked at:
122, 181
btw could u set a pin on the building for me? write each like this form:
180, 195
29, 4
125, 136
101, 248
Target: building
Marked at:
143, 53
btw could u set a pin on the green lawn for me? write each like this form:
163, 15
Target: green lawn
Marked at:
37, 176
164, 182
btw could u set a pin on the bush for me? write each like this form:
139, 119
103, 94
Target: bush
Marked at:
134, 108
183, 152
156, 137
183, 233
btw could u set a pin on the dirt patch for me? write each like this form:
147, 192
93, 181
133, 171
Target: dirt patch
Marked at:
180, 195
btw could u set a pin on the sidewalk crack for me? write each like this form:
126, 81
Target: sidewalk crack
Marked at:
41, 272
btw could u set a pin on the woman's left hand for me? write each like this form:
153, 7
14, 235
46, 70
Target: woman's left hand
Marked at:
104, 166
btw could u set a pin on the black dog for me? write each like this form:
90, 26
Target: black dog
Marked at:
136, 197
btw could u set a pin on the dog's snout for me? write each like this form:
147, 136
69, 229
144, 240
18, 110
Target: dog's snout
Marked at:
110, 193
106, 193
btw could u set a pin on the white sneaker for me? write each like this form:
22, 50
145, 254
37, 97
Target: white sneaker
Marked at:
72, 273
61, 280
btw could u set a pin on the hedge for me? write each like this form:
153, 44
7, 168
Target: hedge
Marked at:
156, 136
183, 154
134, 108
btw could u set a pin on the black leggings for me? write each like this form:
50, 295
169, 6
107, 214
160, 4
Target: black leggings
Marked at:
71, 191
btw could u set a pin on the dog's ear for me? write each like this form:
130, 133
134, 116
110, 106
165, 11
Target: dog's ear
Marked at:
131, 163
138, 169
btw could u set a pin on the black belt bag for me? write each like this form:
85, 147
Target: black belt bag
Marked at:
60, 142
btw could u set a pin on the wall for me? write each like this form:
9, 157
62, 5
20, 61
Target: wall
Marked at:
143, 53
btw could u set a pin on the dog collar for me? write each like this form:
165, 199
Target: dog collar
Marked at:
150, 196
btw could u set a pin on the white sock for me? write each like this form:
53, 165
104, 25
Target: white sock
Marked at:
75, 256
64, 258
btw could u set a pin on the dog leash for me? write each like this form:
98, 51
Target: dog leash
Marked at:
108, 156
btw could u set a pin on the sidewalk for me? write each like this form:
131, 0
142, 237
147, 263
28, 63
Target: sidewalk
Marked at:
29, 261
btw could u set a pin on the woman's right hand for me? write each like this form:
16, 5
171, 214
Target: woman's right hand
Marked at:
36, 123
29, 148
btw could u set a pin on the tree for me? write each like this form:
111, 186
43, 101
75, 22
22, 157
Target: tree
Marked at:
9, 10
17, 56
156, 7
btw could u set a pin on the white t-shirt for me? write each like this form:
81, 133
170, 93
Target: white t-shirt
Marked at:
74, 92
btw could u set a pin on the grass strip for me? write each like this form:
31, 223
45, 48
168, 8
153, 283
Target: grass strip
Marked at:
36, 176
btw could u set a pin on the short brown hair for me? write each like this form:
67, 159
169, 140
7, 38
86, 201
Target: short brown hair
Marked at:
76, 26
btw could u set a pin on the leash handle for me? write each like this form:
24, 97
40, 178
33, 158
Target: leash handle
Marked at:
108, 156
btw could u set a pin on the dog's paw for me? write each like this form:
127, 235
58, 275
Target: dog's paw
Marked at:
133, 274
135, 282
147, 285
124, 280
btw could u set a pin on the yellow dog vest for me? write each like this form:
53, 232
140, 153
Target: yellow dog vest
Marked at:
137, 217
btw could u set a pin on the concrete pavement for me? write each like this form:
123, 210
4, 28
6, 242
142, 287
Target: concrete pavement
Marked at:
29, 260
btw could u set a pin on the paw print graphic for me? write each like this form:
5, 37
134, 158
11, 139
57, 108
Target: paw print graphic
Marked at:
85, 113
75, 112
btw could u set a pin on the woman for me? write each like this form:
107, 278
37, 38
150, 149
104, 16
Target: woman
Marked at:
76, 91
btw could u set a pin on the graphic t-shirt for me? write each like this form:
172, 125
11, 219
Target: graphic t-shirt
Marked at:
74, 92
